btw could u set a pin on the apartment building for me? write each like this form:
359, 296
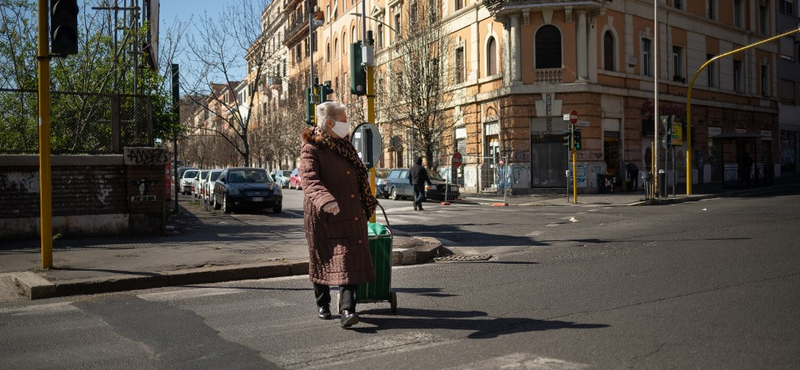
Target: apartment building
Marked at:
788, 82
516, 67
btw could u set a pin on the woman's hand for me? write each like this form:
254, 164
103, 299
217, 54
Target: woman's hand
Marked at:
332, 208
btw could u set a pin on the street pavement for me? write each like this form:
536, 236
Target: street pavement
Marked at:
201, 247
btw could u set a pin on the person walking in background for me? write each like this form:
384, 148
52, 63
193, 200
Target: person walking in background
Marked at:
336, 206
418, 177
633, 174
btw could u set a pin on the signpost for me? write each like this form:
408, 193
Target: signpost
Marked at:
455, 162
366, 138
573, 119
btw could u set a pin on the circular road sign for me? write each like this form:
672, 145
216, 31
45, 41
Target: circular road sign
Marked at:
457, 160
367, 140
573, 116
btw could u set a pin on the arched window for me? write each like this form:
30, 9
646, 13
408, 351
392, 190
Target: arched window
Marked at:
336, 49
609, 60
344, 46
327, 53
491, 57
548, 47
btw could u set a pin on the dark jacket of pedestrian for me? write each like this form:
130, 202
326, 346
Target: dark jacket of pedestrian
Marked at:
417, 175
338, 244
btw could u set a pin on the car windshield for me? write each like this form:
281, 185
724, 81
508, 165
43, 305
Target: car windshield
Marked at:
249, 176
435, 175
215, 175
190, 174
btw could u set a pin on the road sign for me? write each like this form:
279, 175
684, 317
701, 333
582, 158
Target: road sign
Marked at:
573, 116
457, 160
367, 141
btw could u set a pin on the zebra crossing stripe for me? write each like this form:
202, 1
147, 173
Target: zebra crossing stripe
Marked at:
521, 361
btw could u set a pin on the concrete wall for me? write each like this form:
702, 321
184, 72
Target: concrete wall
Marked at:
92, 195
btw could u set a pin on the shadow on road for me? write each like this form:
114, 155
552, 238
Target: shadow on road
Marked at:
478, 322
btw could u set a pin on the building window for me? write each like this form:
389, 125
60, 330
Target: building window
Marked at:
678, 4
765, 81
459, 65
711, 9
412, 16
787, 6
763, 19
609, 60
433, 11
327, 53
677, 64
738, 11
491, 57
336, 49
458, 4
380, 36
711, 70
787, 91
647, 60
548, 48
737, 76
397, 25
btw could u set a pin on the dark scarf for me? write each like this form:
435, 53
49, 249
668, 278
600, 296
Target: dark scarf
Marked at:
345, 149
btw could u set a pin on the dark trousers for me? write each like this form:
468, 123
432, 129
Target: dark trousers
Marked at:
419, 194
347, 295
634, 176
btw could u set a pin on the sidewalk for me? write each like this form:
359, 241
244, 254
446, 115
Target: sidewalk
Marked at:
201, 247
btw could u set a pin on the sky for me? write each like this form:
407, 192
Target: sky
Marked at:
182, 11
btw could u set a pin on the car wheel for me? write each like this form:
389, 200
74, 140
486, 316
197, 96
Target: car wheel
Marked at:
225, 207
277, 208
394, 195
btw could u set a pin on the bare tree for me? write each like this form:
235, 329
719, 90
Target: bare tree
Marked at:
234, 40
419, 73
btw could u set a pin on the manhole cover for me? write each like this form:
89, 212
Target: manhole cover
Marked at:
464, 258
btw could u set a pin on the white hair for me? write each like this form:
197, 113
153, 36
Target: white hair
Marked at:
329, 110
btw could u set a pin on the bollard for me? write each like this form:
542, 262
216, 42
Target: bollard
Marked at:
662, 184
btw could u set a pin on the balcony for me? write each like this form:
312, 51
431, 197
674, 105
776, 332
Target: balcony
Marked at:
274, 82
506, 6
549, 76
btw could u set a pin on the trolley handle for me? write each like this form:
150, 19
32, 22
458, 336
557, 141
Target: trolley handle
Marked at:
388, 226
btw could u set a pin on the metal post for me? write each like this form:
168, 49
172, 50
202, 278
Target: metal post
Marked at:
45, 184
656, 117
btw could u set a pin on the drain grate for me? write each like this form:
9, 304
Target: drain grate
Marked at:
464, 258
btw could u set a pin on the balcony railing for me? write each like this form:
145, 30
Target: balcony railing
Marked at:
549, 76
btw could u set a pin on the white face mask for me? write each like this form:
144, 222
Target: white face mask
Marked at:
341, 129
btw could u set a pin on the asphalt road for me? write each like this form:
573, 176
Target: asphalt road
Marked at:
697, 285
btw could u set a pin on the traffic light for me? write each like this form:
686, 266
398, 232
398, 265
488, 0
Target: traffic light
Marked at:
325, 90
568, 138
577, 139
358, 74
64, 27
310, 106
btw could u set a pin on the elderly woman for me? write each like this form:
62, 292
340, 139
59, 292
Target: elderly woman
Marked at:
337, 204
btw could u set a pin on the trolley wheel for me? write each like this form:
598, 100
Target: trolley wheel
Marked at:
393, 301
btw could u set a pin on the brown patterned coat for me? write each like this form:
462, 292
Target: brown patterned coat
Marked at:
337, 244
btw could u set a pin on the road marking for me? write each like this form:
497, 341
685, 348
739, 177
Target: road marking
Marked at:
351, 351
186, 294
41, 309
521, 361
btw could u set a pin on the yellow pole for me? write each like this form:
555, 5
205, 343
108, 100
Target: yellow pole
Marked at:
689, 102
371, 119
45, 192
574, 176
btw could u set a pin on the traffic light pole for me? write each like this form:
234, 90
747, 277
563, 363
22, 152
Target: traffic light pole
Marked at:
45, 192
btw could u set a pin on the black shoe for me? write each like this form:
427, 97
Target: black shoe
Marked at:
349, 318
324, 312
415, 206
420, 208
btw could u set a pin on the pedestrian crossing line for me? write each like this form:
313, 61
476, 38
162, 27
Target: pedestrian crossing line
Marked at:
174, 295
339, 353
521, 361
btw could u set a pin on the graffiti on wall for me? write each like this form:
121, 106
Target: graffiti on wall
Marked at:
146, 157
20, 182
520, 176
143, 185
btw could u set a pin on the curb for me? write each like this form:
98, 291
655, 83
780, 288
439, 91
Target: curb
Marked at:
35, 286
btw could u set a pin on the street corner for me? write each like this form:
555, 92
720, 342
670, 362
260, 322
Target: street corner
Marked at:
415, 249
26, 284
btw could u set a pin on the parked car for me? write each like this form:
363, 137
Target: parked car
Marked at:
399, 186
208, 188
197, 183
281, 178
294, 179
187, 179
240, 188
380, 182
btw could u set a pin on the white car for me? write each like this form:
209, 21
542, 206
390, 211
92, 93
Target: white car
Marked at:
198, 180
208, 188
186, 181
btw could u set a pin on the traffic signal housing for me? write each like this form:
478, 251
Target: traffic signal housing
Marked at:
325, 90
568, 138
310, 106
64, 27
577, 139
358, 74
